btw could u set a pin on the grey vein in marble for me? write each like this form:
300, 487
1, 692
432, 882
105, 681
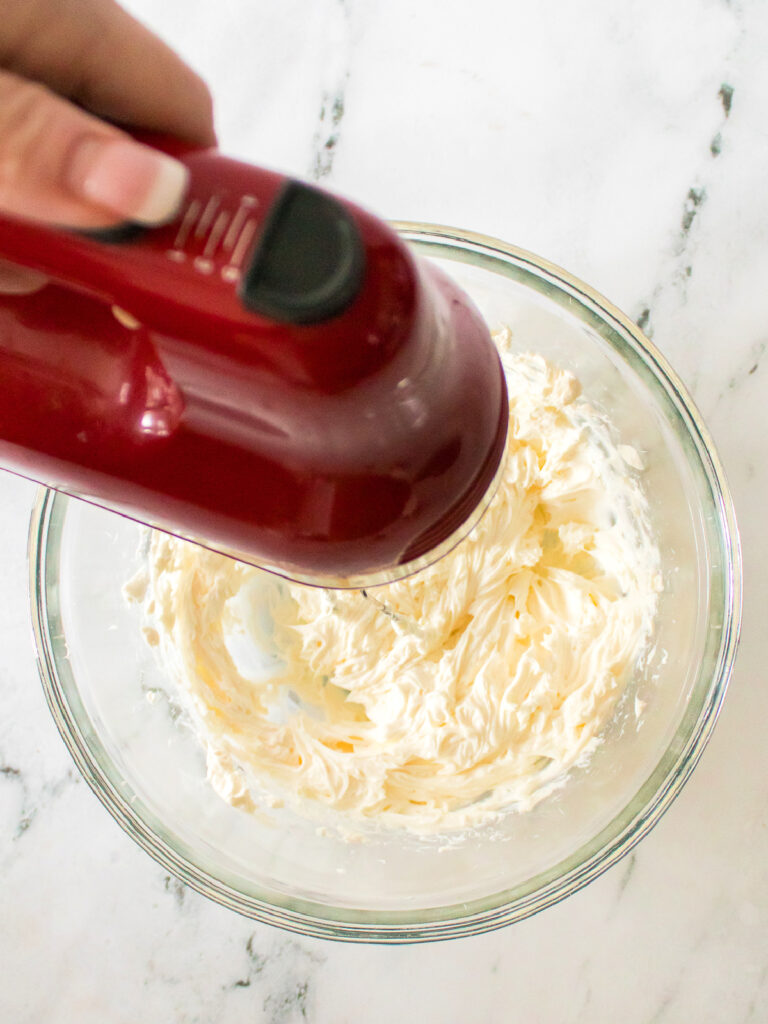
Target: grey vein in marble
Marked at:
29, 803
286, 972
328, 132
629, 870
726, 98
327, 135
692, 204
748, 367
693, 201
176, 889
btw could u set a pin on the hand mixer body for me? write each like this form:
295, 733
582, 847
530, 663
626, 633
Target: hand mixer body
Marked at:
272, 374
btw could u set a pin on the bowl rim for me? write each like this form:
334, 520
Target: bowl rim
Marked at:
592, 858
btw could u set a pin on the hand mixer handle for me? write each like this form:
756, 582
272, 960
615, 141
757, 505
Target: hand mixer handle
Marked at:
281, 378
247, 243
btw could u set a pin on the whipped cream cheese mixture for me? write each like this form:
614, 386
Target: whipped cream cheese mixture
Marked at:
436, 702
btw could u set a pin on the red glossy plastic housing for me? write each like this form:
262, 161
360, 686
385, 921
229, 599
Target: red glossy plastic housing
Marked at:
340, 448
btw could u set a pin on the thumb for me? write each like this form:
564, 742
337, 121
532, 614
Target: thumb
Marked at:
63, 166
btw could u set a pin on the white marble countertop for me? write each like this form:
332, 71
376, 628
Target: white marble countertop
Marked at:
628, 143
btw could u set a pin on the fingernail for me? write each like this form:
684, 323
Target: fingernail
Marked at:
130, 179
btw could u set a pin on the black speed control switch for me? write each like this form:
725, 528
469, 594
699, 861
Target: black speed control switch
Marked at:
308, 264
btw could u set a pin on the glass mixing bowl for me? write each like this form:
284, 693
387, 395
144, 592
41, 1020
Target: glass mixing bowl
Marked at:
118, 715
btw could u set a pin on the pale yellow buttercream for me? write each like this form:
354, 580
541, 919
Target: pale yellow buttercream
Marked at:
436, 702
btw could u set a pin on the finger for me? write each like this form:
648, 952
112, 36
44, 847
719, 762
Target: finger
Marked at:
63, 166
19, 281
95, 53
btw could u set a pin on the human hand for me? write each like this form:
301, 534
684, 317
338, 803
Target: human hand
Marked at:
60, 163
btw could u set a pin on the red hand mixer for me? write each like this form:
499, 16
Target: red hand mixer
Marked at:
273, 374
